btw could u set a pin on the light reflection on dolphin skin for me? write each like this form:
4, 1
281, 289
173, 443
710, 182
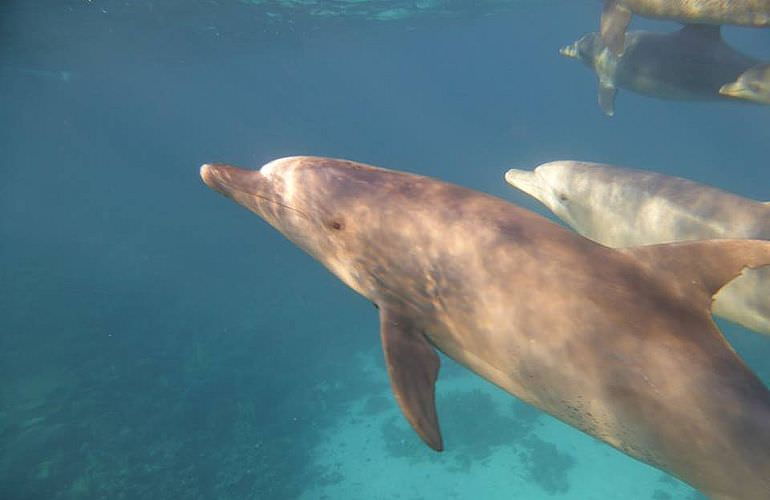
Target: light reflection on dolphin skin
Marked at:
618, 343
616, 15
623, 207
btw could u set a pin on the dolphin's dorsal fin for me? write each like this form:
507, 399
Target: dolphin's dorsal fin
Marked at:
413, 367
702, 266
712, 32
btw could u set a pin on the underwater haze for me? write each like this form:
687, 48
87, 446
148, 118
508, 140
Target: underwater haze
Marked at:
158, 341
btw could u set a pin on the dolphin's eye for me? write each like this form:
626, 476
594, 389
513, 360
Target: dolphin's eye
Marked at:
336, 224
563, 197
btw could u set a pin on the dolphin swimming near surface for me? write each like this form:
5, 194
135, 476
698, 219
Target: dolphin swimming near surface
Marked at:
616, 15
692, 63
623, 207
618, 343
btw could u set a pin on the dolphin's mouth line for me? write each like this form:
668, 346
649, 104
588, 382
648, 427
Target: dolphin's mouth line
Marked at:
213, 178
270, 200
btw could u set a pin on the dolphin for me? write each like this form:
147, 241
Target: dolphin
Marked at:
616, 15
753, 85
622, 207
617, 343
692, 63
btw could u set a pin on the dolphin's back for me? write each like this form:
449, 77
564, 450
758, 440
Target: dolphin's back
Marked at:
692, 63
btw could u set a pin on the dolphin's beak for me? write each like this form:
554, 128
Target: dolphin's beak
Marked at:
733, 89
213, 176
524, 180
231, 180
569, 51
246, 187
250, 188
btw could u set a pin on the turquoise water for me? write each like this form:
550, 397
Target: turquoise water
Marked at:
159, 341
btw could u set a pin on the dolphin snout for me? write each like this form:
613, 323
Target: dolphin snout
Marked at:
524, 180
212, 176
208, 175
569, 51
733, 89
229, 180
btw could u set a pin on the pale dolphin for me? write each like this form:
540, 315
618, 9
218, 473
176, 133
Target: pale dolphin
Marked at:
622, 207
616, 15
618, 343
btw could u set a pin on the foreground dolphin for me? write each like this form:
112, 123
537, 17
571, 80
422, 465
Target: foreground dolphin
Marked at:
623, 207
692, 63
753, 85
616, 15
618, 343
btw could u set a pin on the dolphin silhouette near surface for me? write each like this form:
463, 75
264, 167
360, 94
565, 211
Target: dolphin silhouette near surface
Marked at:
617, 343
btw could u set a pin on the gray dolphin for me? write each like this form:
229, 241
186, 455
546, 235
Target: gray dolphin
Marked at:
689, 64
622, 207
616, 15
753, 85
618, 343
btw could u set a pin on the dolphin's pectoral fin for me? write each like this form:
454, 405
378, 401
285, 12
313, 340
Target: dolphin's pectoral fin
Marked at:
702, 268
607, 93
615, 20
413, 367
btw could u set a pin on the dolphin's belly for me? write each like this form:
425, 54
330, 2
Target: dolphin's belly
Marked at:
543, 360
610, 379
543, 379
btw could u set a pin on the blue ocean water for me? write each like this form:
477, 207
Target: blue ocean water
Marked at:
158, 341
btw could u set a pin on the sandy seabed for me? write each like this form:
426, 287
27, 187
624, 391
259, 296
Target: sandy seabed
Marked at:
373, 454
